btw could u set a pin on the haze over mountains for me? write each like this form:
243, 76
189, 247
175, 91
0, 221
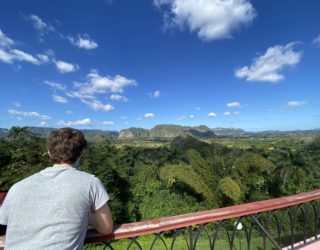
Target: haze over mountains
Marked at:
166, 131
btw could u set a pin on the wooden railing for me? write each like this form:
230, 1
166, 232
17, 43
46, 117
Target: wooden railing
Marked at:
274, 223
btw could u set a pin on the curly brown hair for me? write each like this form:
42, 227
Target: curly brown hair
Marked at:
66, 145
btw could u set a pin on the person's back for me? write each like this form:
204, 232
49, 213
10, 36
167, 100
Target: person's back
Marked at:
50, 209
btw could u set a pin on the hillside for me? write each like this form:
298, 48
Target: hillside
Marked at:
170, 131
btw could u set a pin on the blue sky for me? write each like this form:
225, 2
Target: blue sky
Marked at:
117, 64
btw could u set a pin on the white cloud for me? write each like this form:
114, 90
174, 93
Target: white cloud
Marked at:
42, 27
97, 105
211, 19
83, 41
155, 94
267, 67
11, 55
37, 22
97, 84
295, 104
69, 112
108, 123
65, 67
43, 124
233, 105
23, 56
148, 115
191, 116
212, 114
315, 41
59, 99
5, 41
30, 114
181, 118
6, 57
228, 113
55, 85
17, 104
116, 97
83, 122
8, 54
43, 58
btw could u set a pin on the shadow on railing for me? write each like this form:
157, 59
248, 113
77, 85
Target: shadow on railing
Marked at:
269, 224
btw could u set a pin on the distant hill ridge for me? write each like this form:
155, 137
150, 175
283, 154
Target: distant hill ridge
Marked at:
167, 131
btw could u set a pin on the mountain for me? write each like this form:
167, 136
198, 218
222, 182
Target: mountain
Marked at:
166, 131
132, 133
3, 132
170, 131
230, 132
91, 135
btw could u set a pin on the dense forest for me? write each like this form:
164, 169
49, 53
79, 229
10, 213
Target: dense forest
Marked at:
180, 176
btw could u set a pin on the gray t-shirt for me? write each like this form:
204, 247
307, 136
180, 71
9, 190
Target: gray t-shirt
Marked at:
50, 209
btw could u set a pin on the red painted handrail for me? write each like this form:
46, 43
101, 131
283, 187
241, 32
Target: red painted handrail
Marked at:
184, 220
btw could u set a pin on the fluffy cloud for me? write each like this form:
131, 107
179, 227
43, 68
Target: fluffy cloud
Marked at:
315, 41
108, 123
295, 104
59, 99
212, 114
115, 97
22, 56
83, 41
97, 84
5, 41
11, 55
30, 114
211, 19
41, 27
83, 122
37, 22
55, 85
191, 116
233, 105
148, 115
97, 105
43, 124
17, 104
228, 113
43, 58
64, 67
8, 54
155, 94
267, 67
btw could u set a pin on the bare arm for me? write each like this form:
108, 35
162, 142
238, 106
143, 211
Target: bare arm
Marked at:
101, 220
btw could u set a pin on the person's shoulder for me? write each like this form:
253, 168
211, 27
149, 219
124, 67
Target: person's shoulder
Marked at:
24, 182
82, 174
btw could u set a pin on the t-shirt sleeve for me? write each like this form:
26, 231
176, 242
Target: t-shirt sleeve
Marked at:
98, 194
4, 211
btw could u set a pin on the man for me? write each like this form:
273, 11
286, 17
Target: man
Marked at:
51, 209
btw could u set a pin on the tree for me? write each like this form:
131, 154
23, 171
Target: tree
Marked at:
228, 191
175, 173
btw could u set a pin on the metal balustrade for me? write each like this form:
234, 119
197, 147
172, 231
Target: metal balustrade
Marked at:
268, 224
